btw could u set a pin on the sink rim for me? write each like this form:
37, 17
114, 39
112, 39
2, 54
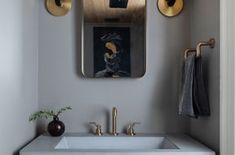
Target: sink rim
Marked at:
163, 137
186, 144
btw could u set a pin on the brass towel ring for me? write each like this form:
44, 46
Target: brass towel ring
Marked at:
189, 50
210, 43
197, 50
58, 7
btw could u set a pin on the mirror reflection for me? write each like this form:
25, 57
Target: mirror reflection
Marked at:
113, 38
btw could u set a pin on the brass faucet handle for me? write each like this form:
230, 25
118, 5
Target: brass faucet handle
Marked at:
135, 123
131, 130
98, 130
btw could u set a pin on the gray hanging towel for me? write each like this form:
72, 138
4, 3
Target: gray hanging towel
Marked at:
200, 97
186, 106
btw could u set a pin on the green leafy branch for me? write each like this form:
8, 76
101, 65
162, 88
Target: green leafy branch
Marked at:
48, 114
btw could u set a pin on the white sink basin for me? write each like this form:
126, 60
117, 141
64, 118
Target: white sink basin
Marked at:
115, 143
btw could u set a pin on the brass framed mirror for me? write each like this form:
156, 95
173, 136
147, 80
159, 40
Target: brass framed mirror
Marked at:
114, 38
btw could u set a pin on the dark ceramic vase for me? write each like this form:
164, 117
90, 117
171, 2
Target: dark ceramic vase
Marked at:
56, 127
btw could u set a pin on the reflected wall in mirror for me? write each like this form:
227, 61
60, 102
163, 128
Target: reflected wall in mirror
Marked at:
114, 38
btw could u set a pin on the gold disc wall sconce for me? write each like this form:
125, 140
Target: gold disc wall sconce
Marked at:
58, 7
170, 8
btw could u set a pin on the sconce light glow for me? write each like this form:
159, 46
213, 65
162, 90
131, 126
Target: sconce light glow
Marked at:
58, 7
170, 8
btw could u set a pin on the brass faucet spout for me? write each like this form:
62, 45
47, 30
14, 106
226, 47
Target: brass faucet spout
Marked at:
114, 121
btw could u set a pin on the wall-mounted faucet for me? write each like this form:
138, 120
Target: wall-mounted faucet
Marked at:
114, 121
130, 130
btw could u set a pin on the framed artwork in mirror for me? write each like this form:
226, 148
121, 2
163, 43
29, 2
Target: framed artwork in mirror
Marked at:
112, 52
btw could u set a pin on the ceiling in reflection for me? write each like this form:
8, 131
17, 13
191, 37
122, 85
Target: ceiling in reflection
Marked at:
100, 11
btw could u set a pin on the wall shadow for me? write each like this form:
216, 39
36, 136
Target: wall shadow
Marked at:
17, 152
78, 18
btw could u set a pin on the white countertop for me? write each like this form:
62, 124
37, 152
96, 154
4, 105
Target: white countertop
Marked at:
45, 145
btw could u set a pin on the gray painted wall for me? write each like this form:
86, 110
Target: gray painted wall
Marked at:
18, 73
205, 19
151, 100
